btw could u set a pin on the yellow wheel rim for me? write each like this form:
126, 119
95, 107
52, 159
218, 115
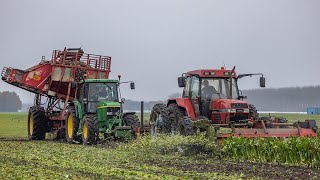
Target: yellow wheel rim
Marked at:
31, 124
85, 130
70, 126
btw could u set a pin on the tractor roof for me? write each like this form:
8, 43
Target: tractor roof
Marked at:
206, 73
101, 81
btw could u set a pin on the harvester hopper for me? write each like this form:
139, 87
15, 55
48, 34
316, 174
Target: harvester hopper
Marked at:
81, 101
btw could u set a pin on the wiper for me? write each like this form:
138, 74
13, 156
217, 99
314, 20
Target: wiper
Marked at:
109, 87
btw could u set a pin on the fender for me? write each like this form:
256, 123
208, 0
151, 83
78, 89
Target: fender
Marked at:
79, 112
129, 113
185, 104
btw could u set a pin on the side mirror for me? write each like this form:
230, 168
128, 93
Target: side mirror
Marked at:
132, 85
74, 85
181, 81
123, 100
262, 82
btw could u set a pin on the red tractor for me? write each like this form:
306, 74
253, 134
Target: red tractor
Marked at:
212, 97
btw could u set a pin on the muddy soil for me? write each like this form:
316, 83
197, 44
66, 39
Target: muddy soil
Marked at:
248, 169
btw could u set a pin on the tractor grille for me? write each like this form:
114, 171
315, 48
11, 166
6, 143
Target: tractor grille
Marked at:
239, 105
238, 117
217, 117
113, 111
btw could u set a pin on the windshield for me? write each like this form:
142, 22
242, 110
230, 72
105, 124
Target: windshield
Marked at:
218, 88
103, 92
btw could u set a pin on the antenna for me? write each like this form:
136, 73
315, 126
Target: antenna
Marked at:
224, 65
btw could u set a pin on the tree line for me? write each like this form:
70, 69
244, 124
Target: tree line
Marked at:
294, 99
9, 102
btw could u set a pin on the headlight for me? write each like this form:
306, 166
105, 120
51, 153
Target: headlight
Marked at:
228, 110
246, 111
111, 113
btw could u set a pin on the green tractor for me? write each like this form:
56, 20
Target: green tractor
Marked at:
96, 113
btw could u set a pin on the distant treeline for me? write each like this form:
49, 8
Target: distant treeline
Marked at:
9, 102
295, 99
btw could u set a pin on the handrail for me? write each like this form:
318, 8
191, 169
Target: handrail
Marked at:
79, 58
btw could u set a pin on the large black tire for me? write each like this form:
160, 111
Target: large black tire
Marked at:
72, 125
159, 118
132, 120
90, 129
185, 126
37, 123
176, 113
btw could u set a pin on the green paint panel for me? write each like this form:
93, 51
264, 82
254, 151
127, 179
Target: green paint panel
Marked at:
123, 133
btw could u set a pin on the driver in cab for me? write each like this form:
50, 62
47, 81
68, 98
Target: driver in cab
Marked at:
207, 91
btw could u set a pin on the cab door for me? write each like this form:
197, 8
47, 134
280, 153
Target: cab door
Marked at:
195, 94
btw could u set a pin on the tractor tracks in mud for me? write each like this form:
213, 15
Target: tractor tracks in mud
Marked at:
247, 169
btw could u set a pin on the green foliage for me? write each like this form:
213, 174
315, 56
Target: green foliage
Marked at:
161, 157
294, 150
198, 145
53, 160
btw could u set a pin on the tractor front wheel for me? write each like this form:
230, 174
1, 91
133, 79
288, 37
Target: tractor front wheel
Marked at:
132, 120
37, 123
72, 125
90, 129
176, 114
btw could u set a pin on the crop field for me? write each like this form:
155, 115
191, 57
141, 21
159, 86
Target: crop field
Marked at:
161, 157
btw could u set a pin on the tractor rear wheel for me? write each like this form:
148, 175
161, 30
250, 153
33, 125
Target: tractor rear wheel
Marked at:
185, 126
90, 129
159, 119
37, 123
133, 121
72, 125
175, 113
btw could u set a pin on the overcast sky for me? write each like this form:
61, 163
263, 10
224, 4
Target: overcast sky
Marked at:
153, 42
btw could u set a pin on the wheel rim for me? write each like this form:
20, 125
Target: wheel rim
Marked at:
31, 124
70, 126
85, 130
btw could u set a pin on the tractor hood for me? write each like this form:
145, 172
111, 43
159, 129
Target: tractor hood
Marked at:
107, 104
228, 104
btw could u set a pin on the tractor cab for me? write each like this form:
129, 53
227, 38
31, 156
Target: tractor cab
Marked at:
214, 94
99, 94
